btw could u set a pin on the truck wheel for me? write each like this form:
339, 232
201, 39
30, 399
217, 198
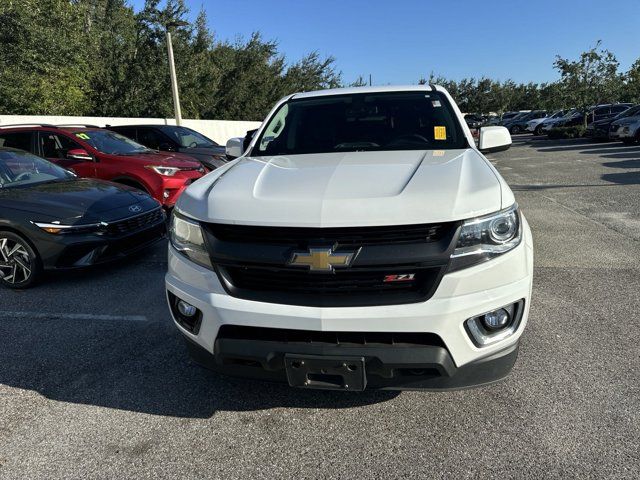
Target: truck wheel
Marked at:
20, 265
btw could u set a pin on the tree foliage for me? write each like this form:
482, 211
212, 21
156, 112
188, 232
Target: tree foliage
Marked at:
100, 57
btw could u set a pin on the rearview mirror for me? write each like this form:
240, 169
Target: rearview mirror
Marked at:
234, 148
79, 154
494, 139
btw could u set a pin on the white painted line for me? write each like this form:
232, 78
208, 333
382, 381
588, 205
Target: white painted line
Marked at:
72, 316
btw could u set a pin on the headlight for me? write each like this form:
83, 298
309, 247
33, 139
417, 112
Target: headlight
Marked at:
186, 237
59, 229
484, 238
166, 171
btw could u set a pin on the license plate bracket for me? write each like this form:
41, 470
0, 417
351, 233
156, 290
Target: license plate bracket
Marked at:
326, 372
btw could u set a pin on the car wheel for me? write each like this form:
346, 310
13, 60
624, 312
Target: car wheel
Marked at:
515, 130
538, 130
19, 263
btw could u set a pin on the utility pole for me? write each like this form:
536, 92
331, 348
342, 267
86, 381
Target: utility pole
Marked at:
172, 70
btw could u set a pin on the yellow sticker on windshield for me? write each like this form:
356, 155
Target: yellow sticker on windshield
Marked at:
83, 136
440, 133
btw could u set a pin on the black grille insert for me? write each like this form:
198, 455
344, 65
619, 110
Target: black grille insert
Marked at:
283, 335
349, 236
348, 287
253, 263
136, 222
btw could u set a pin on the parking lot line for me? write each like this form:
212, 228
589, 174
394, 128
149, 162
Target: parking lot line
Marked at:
72, 316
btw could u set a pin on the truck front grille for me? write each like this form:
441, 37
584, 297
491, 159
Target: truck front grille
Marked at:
253, 263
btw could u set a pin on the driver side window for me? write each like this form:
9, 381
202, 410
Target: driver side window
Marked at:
56, 146
150, 138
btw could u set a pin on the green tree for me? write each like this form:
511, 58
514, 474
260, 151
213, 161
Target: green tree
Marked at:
44, 61
591, 79
631, 87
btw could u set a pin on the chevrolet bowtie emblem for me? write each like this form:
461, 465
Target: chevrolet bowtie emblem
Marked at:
322, 259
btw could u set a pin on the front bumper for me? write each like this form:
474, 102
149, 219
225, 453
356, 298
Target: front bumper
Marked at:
75, 251
457, 360
622, 132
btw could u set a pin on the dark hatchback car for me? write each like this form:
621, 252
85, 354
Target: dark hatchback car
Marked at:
594, 114
600, 128
518, 124
172, 138
51, 219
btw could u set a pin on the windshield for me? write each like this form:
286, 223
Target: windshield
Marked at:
558, 114
21, 168
417, 120
631, 112
113, 143
188, 138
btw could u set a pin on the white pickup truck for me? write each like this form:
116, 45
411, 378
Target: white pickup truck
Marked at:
360, 240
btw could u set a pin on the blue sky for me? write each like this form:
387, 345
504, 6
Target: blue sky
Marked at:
398, 41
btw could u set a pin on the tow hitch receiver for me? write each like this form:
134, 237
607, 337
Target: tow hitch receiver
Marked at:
325, 372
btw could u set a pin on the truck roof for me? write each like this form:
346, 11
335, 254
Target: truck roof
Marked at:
377, 89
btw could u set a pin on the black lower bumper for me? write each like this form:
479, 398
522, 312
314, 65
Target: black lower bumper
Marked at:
352, 368
76, 252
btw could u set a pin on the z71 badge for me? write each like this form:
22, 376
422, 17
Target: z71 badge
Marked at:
402, 277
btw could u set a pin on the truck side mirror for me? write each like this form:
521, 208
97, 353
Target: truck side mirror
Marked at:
234, 147
494, 139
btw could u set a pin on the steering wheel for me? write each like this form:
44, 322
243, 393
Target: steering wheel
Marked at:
409, 136
22, 176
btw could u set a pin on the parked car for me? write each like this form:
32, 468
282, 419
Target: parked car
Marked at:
172, 138
548, 124
598, 112
626, 129
518, 124
474, 120
362, 240
600, 128
94, 152
51, 219
535, 126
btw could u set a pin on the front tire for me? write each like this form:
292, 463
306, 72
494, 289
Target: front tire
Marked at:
538, 130
20, 265
515, 130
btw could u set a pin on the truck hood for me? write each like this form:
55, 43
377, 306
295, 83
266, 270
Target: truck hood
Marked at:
347, 189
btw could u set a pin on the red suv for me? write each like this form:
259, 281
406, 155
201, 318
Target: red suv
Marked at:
99, 153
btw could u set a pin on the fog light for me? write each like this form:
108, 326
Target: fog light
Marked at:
166, 194
496, 325
496, 320
186, 309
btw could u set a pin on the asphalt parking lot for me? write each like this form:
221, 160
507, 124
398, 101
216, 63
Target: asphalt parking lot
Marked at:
95, 381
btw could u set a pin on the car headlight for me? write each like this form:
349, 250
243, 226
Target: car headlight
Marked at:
57, 228
484, 238
165, 171
186, 236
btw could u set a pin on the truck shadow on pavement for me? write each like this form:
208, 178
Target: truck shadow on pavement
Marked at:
138, 366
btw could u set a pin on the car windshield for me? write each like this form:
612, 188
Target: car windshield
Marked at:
631, 112
113, 143
416, 120
558, 114
188, 138
21, 169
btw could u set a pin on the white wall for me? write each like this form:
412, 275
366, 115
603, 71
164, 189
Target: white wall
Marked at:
218, 130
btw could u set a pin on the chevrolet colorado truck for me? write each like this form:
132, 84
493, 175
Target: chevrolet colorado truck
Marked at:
361, 240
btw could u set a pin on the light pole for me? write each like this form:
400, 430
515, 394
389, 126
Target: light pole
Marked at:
172, 69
